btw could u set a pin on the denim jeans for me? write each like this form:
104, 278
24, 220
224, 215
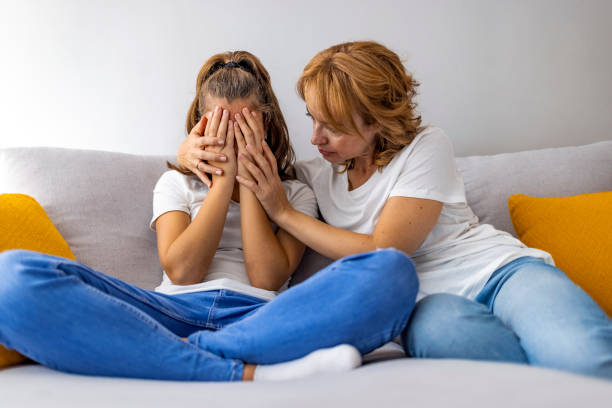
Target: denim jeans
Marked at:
528, 312
67, 316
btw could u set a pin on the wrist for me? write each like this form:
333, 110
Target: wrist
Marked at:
224, 182
243, 172
283, 217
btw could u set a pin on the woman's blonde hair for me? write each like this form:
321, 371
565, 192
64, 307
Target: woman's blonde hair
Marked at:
237, 75
368, 79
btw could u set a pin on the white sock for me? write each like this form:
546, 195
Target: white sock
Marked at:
330, 360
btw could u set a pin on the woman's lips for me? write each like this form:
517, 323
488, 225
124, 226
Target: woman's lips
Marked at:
324, 152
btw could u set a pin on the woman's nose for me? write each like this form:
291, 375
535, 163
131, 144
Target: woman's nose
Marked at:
317, 136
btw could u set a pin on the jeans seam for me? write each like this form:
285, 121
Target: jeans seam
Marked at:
143, 300
211, 311
234, 371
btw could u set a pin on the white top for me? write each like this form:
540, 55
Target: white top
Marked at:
459, 255
177, 192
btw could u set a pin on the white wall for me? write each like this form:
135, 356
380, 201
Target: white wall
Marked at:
498, 76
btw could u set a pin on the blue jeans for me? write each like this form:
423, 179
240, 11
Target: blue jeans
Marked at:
528, 312
67, 316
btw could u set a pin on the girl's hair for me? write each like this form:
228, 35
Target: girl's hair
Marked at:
370, 80
237, 75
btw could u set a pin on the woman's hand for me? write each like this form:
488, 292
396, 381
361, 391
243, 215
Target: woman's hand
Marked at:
265, 182
192, 156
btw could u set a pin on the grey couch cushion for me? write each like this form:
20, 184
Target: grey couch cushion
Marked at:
557, 172
100, 202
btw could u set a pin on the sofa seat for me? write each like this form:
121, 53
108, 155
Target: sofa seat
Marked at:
400, 382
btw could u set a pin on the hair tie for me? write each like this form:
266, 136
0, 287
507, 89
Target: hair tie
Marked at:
231, 64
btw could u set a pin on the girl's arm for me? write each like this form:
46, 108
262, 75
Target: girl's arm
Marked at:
270, 258
187, 249
404, 222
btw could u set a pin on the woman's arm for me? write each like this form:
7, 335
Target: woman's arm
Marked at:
187, 249
404, 222
270, 258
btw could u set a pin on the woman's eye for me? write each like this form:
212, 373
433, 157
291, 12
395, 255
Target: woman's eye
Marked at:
308, 114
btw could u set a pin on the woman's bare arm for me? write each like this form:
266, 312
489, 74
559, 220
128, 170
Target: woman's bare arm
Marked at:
404, 222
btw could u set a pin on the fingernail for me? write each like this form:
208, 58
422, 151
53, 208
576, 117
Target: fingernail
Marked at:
217, 109
222, 158
220, 142
237, 116
219, 172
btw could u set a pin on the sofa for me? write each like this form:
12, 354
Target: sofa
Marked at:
101, 204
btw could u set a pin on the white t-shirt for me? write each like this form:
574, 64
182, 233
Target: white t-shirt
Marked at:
177, 192
459, 255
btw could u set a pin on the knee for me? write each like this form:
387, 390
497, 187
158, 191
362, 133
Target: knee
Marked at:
11, 265
398, 271
16, 268
435, 314
435, 320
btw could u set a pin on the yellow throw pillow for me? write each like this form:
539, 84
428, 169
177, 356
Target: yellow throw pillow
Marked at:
576, 231
25, 225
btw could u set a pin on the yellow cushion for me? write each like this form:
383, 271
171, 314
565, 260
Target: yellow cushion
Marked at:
576, 231
25, 225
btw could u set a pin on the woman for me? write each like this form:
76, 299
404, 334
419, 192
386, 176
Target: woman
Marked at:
390, 182
224, 264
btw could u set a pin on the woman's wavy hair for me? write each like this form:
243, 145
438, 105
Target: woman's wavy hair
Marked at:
237, 75
368, 79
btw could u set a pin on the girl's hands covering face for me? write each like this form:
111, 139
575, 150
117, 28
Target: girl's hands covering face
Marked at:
259, 164
221, 127
249, 131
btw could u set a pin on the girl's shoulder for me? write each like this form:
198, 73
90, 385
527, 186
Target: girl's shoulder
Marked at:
308, 170
175, 180
301, 197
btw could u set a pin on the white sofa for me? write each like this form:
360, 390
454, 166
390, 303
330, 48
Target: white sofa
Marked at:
101, 204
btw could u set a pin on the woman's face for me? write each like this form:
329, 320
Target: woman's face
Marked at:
337, 147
